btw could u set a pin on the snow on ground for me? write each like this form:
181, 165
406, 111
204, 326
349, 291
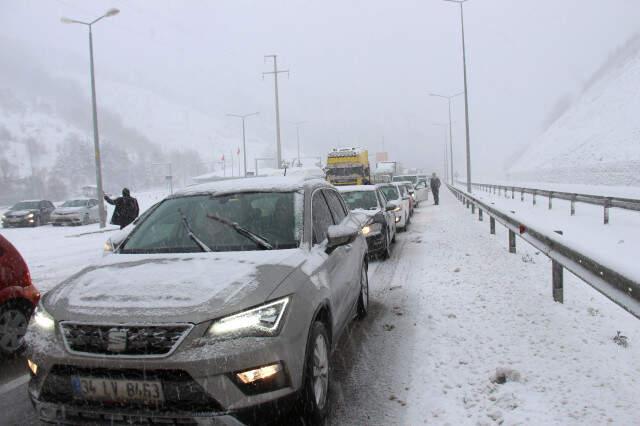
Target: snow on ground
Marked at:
625, 191
616, 244
452, 307
55, 253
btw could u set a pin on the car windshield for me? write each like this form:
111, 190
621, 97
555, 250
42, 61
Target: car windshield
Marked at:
230, 222
26, 205
365, 200
390, 192
412, 179
75, 203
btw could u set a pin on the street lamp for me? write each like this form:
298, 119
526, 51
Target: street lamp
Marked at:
466, 95
297, 124
244, 144
96, 139
448, 98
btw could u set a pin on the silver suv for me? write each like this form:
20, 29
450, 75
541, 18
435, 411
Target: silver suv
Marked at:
226, 297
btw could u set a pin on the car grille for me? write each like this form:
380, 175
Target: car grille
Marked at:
123, 340
181, 392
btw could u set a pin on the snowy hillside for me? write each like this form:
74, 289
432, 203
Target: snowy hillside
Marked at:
597, 140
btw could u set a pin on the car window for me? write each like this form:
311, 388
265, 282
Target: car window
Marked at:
365, 200
321, 217
391, 192
335, 205
381, 198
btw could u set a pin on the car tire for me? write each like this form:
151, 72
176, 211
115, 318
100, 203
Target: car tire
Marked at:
315, 392
86, 220
14, 320
386, 252
37, 222
407, 222
363, 298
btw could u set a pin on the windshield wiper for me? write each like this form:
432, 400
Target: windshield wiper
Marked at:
260, 241
193, 236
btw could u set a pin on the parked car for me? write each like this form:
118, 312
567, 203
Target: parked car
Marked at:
18, 298
392, 192
227, 296
380, 228
81, 211
28, 213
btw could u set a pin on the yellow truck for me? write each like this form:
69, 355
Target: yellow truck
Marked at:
348, 166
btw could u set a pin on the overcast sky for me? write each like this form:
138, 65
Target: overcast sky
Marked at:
360, 71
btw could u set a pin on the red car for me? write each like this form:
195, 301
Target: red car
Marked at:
18, 298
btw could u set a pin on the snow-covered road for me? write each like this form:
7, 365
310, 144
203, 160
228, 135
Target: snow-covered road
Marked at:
450, 308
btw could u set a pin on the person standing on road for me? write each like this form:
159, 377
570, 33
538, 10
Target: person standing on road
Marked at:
126, 209
435, 188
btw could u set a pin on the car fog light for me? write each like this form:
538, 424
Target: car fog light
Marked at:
261, 373
33, 367
397, 219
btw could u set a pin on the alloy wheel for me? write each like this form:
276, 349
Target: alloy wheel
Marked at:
320, 371
13, 327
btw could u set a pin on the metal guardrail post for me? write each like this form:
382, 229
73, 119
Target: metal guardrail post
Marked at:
513, 193
480, 214
473, 208
492, 225
557, 283
512, 241
522, 195
550, 200
534, 198
607, 204
573, 205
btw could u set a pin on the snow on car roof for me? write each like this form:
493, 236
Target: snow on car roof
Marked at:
272, 183
350, 188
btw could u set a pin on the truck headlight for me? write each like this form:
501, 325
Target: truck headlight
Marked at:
261, 321
372, 229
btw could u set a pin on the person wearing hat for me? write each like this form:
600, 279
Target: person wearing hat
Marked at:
126, 209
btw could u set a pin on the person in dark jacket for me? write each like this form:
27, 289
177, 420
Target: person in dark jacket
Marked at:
435, 188
126, 209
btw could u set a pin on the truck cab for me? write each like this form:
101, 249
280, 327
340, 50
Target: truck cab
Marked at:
348, 166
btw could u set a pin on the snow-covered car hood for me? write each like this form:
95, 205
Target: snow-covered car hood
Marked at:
68, 210
19, 212
193, 287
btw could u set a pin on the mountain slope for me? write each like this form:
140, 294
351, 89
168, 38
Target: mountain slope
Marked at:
597, 140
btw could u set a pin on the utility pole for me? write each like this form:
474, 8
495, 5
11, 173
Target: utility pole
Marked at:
449, 98
297, 124
275, 73
96, 140
243, 117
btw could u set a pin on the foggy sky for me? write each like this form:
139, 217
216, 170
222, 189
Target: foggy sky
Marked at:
360, 71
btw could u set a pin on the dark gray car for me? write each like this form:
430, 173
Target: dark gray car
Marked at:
226, 297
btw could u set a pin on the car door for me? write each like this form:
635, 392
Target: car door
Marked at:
330, 271
350, 255
422, 192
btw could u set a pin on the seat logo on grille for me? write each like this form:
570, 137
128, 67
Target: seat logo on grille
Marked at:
117, 340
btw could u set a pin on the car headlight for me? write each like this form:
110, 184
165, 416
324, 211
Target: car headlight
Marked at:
30, 215
42, 319
261, 321
372, 229
397, 209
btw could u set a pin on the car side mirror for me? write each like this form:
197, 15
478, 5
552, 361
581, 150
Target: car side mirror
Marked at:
390, 206
340, 235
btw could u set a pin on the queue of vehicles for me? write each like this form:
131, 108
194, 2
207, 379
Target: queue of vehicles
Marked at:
139, 342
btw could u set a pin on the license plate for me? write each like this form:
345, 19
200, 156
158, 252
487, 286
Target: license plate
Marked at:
98, 389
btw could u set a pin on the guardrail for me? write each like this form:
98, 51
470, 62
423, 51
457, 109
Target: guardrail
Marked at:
620, 289
573, 198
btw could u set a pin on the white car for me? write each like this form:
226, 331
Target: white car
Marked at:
420, 187
80, 211
393, 193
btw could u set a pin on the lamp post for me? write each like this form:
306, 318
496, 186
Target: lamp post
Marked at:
448, 98
466, 94
244, 142
96, 138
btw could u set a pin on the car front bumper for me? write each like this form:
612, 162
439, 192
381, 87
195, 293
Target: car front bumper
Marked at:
66, 220
197, 379
8, 222
376, 243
